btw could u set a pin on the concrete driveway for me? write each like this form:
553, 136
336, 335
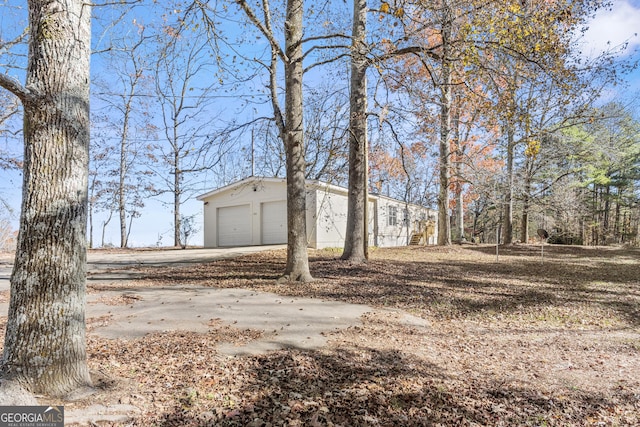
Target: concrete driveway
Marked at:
283, 322
110, 266
106, 267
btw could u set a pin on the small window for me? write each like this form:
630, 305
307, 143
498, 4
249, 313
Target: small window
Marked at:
392, 217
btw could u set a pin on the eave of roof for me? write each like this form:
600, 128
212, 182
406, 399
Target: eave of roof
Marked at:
240, 183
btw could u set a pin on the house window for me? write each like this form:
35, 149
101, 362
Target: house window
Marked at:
392, 217
405, 219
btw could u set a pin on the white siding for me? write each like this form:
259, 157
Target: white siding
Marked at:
312, 216
331, 219
398, 232
391, 230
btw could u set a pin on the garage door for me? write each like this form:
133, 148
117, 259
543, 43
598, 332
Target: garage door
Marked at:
274, 223
234, 226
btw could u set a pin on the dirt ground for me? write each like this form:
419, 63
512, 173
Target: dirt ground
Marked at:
513, 341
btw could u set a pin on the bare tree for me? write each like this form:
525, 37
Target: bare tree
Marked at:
290, 124
125, 93
190, 144
326, 133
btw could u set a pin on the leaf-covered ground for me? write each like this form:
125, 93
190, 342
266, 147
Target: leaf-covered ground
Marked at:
514, 341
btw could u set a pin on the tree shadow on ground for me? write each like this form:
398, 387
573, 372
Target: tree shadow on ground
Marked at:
363, 386
453, 287
359, 385
570, 251
463, 287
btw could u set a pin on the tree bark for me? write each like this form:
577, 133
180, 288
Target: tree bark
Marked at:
290, 128
459, 183
44, 348
526, 200
606, 232
356, 239
460, 210
525, 221
617, 230
177, 191
508, 203
297, 268
596, 215
91, 205
122, 180
444, 222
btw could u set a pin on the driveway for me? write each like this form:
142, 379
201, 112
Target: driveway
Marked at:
118, 311
114, 265
126, 312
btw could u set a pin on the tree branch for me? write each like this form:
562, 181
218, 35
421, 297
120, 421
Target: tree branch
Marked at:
13, 86
264, 28
417, 50
114, 3
547, 187
328, 61
329, 36
273, 87
327, 48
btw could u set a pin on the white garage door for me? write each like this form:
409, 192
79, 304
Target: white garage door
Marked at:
234, 226
274, 223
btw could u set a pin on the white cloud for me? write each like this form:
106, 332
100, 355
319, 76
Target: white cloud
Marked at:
613, 27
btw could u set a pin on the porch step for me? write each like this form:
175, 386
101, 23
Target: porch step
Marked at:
415, 239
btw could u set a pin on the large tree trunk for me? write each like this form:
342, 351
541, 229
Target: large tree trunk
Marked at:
356, 239
606, 232
460, 209
297, 268
444, 222
177, 191
508, 203
290, 129
122, 182
459, 183
476, 215
526, 203
525, 221
44, 348
91, 204
617, 229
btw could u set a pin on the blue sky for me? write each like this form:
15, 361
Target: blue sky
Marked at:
611, 28
614, 27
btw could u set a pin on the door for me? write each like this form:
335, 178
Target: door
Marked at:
274, 223
234, 226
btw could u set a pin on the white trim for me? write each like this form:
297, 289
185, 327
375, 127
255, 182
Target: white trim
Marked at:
240, 183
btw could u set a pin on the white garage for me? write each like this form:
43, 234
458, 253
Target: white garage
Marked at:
253, 212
